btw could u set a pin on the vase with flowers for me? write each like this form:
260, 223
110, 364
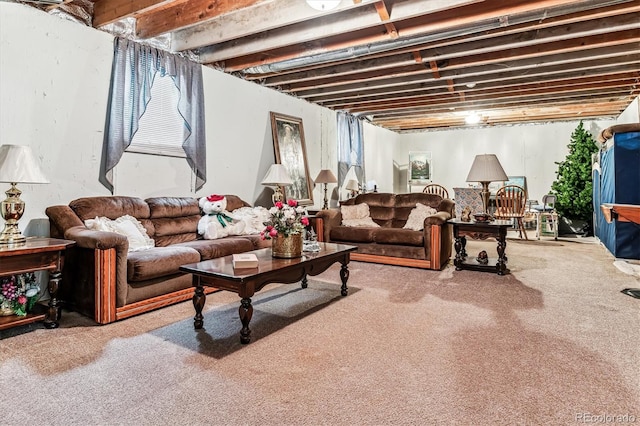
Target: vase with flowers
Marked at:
285, 227
18, 294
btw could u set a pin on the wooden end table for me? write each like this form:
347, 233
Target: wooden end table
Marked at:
36, 254
480, 230
220, 273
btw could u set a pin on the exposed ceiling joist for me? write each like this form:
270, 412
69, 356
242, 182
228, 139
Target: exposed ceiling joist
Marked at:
411, 65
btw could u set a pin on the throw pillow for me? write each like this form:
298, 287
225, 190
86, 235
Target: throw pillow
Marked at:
254, 218
357, 211
125, 225
416, 218
357, 215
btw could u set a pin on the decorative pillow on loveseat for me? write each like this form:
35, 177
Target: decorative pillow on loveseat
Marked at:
357, 215
416, 218
125, 225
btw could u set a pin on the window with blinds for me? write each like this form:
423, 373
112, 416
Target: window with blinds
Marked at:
161, 127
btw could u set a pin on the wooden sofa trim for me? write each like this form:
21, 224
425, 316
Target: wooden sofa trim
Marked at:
389, 260
105, 292
157, 302
435, 262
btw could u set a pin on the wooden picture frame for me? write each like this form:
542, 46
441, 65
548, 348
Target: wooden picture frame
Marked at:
290, 151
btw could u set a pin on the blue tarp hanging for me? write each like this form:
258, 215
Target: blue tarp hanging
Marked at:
618, 182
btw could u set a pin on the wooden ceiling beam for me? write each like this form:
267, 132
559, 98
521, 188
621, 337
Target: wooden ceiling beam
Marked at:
496, 96
533, 54
628, 77
463, 53
384, 15
530, 101
484, 74
110, 11
437, 22
621, 80
186, 13
265, 37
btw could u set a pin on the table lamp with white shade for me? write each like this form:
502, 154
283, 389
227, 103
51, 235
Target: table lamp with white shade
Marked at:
353, 186
17, 165
486, 168
326, 176
277, 176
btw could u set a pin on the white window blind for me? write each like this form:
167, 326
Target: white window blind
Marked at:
160, 129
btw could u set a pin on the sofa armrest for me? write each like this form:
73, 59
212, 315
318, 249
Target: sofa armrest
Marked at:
436, 219
97, 240
438, 238
330, 218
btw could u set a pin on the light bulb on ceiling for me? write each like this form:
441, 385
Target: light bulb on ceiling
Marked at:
323, 5
471, 85
472, 118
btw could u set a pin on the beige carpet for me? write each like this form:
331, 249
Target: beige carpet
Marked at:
555, 342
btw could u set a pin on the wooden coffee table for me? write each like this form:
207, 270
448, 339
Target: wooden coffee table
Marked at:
220, 273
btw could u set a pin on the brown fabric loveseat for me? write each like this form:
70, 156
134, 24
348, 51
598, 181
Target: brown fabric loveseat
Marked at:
429, 248
104, 280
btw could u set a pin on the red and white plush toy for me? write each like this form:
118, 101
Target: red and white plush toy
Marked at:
217, 222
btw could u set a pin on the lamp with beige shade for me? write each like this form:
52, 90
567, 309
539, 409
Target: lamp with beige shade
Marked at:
17, 165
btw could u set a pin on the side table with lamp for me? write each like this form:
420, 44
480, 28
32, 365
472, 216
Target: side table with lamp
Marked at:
19, 254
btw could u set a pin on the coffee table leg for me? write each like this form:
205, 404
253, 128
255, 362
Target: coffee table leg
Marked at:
502, 259
246, 312
305, 282
198, 302
344, 276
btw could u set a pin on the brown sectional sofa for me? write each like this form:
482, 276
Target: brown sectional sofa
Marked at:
390, 244
105, 281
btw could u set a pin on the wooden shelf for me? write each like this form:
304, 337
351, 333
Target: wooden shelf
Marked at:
39, 312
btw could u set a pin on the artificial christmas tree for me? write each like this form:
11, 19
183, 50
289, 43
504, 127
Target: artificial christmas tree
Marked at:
573, 186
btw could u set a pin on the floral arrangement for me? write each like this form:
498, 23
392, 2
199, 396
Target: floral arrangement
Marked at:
286, 219
18, 293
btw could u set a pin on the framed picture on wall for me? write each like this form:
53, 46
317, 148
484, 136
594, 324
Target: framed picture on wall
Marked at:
521, 181
420, 168
291, 152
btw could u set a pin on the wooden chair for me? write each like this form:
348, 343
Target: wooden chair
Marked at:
511, 202
434, 188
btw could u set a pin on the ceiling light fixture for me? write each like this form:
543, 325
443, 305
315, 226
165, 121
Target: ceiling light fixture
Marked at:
472, 118
471, 85
323, 5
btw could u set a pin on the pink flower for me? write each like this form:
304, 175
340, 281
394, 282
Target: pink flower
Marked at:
273, 232
305, 221
22, 299
279, 204
292, 203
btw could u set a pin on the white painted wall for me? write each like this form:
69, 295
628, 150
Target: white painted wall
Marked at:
523, 150
631, 114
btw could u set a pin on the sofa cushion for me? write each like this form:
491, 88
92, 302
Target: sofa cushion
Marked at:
406, 237
158, 261
347, 233
357, 211
210, 249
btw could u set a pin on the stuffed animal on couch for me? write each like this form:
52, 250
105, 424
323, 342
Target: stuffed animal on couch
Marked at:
216, 221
